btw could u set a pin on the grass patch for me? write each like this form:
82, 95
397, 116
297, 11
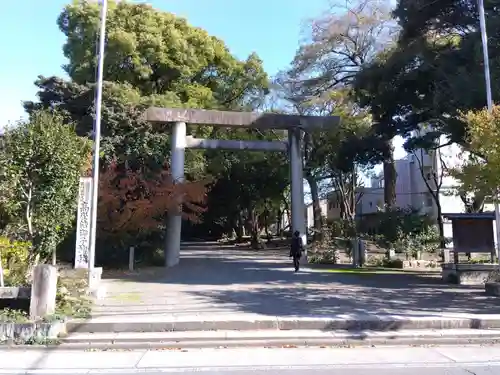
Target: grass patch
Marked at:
372, 271
72, 300
127, 297
13, 316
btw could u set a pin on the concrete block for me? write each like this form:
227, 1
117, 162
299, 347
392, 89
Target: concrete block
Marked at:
43, 291
15, 292
391, 254
467, 274
29, 332
98, 293
492, 289
15, 298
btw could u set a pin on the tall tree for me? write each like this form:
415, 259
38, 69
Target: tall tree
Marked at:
158, 53
41, 161
341, 43
481, 174
152, 58
433, 178
432, 74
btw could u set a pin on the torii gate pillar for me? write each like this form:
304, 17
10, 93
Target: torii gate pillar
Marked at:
174, 221
297, 185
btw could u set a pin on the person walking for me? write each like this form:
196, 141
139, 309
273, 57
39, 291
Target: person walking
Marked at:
296, 249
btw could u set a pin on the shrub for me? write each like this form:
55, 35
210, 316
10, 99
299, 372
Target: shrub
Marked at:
133, 204
340, 228
386, 263
327, 256
336, 236
395, 224
41, 162
71, 299
14, 258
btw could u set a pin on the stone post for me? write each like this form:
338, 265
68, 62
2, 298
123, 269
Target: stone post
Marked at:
362, 252
355, 252
131, 258
43, 291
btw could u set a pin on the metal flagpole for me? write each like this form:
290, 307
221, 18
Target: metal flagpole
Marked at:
484, 39
489, 98
97, 140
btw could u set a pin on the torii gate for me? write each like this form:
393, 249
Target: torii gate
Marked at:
294, 124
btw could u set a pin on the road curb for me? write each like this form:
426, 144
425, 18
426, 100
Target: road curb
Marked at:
262, 343
341, 323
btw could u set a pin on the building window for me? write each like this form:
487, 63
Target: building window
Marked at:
427, 172
429, 200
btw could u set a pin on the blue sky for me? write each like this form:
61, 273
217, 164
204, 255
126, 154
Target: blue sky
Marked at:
32, 42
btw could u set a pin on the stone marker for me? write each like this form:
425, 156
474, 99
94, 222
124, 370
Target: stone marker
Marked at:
446, 256
82, 246
43, 291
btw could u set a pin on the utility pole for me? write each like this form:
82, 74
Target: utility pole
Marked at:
97, 140
489, 101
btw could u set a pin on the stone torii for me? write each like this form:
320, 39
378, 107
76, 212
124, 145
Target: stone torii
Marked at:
294, 124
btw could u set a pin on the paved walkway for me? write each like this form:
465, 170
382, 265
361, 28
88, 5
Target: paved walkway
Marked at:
213, 280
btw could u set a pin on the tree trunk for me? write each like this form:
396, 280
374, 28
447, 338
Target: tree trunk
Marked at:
317, 214
478, 203
442, 240
254, 229
288, 214
241, 228
473, 205
389, 176
279, 229
266, 225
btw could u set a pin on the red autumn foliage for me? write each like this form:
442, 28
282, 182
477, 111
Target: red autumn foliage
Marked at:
133, 201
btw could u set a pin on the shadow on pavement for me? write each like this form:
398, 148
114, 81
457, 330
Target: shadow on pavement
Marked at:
231, 281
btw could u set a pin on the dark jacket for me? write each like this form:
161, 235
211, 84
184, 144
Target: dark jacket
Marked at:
296, 246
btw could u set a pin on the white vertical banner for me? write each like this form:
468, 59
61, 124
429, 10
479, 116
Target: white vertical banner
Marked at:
82, 246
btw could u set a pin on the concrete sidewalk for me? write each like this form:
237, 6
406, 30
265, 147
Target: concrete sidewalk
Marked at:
73, 362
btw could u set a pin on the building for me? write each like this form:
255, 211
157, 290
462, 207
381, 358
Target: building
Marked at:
416, 173
330, 208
